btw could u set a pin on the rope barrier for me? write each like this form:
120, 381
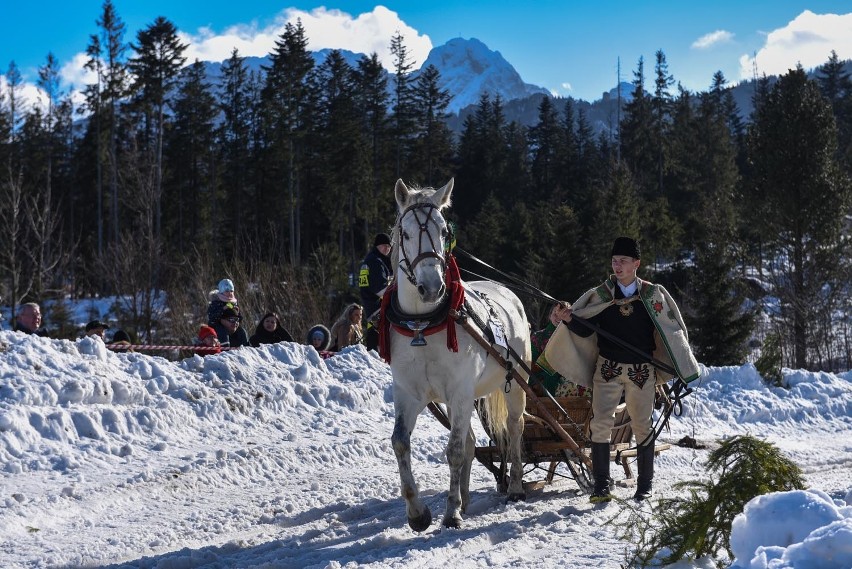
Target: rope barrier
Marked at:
154, 348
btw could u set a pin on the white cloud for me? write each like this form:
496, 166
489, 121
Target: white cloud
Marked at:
808, 40
567, 86
712, 39
28, 95
367, 33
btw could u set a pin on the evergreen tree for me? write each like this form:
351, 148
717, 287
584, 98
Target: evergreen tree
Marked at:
159, 57
434, 146
287, 107
403, 102
234, 144
198, 211
373, 100
589, 167
616, 213
568, 158
719, 317
51, 132
805, 196
661, 108
342, 152
835, 84
636, 137
481, 155
545, 149
113, 90
94, 136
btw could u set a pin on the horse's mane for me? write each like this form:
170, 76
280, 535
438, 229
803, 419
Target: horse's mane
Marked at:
416, 195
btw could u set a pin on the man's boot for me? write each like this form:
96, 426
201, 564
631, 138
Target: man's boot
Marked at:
645, 478
600, 471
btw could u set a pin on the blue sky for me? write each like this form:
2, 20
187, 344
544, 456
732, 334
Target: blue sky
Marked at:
570, 48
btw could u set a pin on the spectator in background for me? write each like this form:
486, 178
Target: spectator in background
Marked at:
269, 331
220, 298
373, 278
121, 337
207, 337
347, 330
229, 331
121, 341
319, 338
28, 320
96, 328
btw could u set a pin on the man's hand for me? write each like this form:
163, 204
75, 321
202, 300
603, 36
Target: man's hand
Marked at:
563, 312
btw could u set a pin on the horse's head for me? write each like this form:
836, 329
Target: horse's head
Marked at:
421, 236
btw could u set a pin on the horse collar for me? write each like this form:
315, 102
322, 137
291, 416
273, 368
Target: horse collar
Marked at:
435, 319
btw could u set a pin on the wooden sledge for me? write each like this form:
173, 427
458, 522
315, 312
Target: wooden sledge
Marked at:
544, 449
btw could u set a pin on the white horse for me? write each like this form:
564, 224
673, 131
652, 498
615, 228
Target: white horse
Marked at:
432, 372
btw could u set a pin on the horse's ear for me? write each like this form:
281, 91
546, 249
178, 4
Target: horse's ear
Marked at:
442, 196
400, 192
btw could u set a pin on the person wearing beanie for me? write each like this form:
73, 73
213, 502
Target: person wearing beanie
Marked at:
221, 297
640, 314
373, 278
207, 337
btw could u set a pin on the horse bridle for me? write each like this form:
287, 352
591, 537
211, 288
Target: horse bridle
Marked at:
408, 266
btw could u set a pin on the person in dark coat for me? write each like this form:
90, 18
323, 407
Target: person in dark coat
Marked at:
269, 331
221, 297
373, 278
229, 331
319, 337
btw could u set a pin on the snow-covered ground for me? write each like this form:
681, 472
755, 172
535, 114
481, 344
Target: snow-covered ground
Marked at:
276, 458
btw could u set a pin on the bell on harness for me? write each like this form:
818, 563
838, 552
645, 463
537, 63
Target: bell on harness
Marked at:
417, 326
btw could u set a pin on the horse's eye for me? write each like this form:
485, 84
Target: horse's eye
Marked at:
444, 233
405, 235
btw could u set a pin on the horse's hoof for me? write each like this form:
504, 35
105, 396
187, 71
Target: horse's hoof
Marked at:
421, 522
453, 522
516, 497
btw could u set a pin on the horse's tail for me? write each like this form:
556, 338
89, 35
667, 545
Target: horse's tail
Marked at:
497, 417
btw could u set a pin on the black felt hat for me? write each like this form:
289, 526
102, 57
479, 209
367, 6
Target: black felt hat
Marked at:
627, 247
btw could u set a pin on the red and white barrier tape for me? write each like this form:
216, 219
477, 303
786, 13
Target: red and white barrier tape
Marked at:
154, 348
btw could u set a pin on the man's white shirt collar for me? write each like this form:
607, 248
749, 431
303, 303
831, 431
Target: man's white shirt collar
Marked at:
628, 290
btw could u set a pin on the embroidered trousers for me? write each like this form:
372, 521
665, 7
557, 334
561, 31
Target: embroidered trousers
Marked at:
637, 382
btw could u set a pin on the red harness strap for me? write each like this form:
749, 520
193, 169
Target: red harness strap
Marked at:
455, 289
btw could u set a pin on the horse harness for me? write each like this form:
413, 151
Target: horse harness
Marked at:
407, 265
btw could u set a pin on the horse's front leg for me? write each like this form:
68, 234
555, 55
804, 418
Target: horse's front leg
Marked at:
469, 450
419, 516
457, 458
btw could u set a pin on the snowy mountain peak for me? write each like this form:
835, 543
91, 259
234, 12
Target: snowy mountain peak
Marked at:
469, 68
